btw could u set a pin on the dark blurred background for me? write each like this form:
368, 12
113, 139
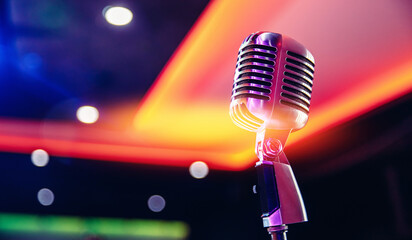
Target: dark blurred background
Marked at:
356, 182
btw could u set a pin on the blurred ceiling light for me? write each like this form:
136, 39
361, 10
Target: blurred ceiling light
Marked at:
39, 157
156, 203
87, 114
118, 16
45, 197
199, 170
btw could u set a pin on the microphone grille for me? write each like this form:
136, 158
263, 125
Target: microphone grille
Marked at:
254, 72
255, 68
242, 117
297, 81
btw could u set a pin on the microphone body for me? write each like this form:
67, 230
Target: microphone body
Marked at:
273, 83
271, 96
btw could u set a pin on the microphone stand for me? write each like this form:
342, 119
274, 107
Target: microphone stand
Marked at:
280, 197
278, 233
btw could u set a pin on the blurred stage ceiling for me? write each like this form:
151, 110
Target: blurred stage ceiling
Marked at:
59, 55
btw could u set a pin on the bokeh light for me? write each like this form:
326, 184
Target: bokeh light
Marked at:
45, 197
87, 114
39, 158
118, 16
199, 170
156, 203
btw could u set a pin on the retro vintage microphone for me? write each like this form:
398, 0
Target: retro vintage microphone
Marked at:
271, 96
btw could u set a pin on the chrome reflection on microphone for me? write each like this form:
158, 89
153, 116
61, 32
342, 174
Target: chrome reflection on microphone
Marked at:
271, 96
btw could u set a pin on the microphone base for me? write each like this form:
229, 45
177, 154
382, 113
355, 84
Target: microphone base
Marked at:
278, 232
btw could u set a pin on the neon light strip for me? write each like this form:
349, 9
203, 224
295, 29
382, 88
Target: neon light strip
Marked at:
22, 223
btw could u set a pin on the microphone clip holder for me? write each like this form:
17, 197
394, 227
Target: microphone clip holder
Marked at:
280, 197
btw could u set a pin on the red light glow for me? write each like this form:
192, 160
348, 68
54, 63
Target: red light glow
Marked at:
363, 60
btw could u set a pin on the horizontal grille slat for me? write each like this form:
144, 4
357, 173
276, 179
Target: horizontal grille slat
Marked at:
251, 95
299, 78
298, 85
298, 56
297, 70
242, 121
257, 60
293, 105
245, 112
256, 53
300, 64
254, 81
296, 99
244, 118
264, 47
255, 74
256, 67
252, 88
297, 92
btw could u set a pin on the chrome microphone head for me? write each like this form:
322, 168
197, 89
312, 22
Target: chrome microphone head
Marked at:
273, 83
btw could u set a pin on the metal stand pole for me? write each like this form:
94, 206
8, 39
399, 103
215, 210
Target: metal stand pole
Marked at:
278, 232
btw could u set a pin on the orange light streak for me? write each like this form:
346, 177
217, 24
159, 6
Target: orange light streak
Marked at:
356, 101
184, 117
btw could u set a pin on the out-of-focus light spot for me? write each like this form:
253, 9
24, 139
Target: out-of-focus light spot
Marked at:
45, 197
156, 203
67, 227
199, 170
87, 114
39, 157
118, 16
32, 61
